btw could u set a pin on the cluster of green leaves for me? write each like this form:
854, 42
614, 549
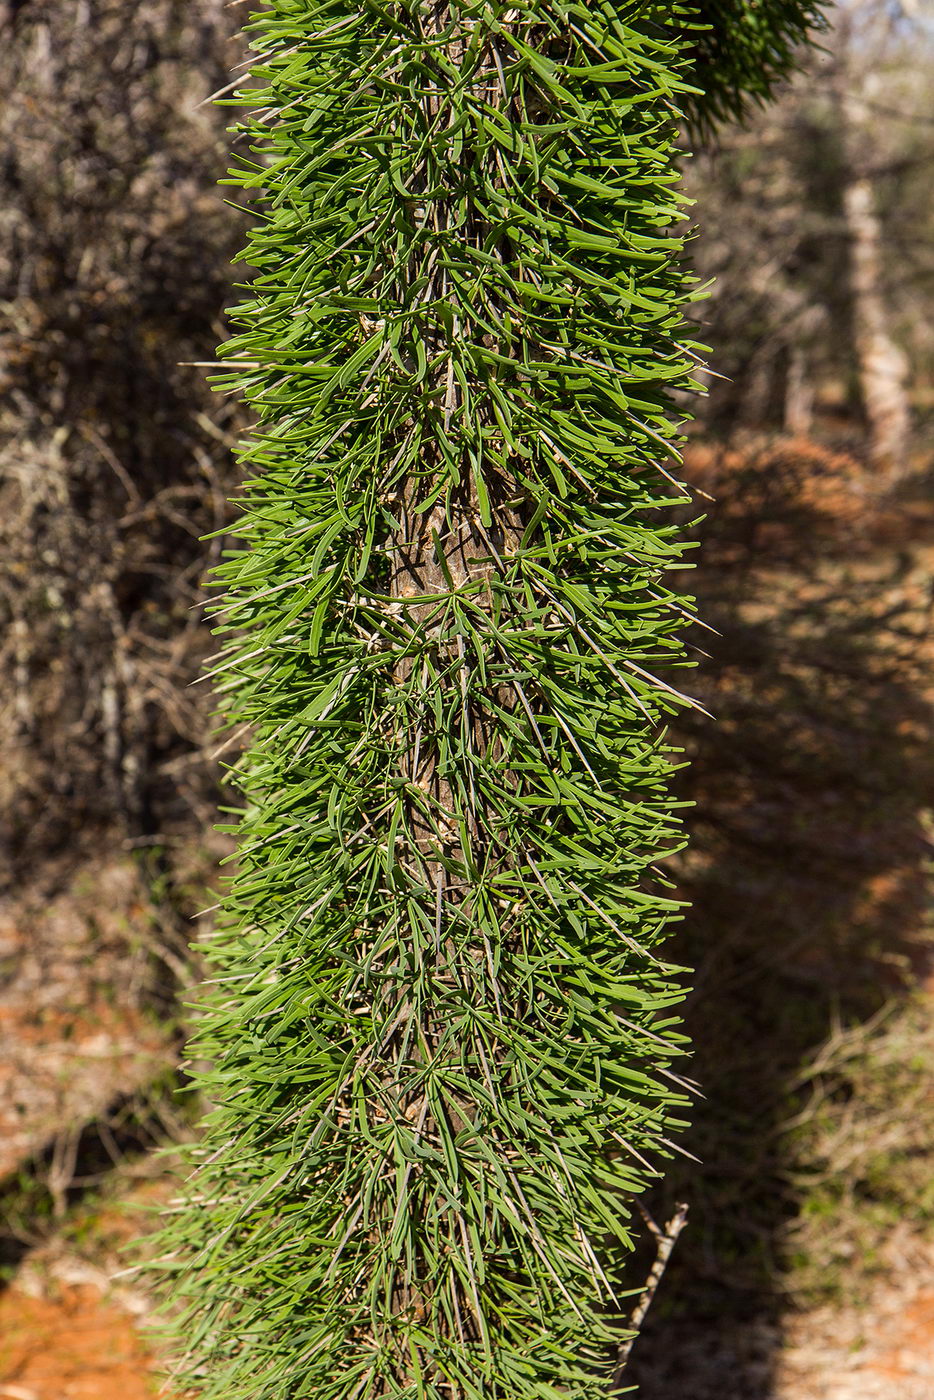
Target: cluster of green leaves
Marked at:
441, 1034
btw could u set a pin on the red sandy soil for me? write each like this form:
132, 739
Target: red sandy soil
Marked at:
75, 1346
885, 1352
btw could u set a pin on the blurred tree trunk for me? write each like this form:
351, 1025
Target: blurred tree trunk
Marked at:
799, 393
882, 366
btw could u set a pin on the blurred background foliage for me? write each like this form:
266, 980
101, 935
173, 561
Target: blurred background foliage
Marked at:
813, 458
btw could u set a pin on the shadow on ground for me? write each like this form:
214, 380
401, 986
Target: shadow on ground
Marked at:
807, 878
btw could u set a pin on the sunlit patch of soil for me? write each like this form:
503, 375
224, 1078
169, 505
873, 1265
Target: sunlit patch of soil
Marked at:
909, 1352
884, 1351
74, 1346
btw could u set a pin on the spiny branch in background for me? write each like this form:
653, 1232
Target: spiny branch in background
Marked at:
441, 1028
741, 49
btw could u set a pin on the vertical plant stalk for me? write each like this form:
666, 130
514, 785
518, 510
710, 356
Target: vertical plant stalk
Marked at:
445, 547
442, 1032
